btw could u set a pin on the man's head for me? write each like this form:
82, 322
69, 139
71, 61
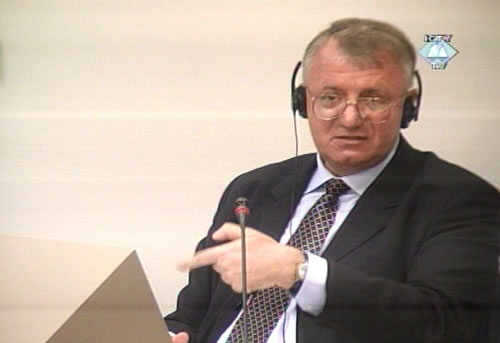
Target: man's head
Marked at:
366, 67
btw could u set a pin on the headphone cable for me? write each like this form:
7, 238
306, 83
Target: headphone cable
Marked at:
294, 179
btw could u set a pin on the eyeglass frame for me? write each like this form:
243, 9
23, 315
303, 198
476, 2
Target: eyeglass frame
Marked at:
410, 113
347, 102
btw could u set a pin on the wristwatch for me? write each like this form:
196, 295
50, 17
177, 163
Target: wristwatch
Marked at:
300, 275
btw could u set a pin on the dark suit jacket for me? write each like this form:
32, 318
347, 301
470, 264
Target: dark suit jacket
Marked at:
415, 261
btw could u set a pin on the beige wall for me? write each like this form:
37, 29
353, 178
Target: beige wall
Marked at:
121, 121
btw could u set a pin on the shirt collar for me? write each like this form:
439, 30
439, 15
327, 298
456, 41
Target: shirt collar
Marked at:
357, 182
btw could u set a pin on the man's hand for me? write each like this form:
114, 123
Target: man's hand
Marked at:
268, 262
181, 337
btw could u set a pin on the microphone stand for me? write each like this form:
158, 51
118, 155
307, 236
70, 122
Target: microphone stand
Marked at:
244, 281
241, 210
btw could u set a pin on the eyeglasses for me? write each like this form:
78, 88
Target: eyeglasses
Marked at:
330, 106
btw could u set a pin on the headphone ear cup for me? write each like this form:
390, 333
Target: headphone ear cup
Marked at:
300, 101
409, 111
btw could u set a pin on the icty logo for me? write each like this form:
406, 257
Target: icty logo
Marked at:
437, 50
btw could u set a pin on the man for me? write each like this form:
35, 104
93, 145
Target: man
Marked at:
409, 253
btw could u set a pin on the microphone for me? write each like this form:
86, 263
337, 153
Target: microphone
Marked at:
242, 211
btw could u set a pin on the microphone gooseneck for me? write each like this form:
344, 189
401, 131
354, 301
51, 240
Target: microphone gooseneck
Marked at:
241, 211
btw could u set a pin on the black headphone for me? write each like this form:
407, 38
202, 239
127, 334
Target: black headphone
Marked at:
410, 106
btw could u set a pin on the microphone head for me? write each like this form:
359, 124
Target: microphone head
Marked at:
241, 206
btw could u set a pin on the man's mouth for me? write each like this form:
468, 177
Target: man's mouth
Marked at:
350, 138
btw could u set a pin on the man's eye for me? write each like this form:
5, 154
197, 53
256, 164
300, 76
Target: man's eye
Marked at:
375, 100
330, 100
330, 97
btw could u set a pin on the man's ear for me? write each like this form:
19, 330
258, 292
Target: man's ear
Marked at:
412, 93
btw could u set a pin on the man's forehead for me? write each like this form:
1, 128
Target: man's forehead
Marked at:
330, 60
331, 53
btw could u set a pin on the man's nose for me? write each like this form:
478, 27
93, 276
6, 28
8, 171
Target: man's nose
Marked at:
351, 117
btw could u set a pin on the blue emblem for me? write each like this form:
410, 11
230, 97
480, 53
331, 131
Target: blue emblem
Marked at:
437, 50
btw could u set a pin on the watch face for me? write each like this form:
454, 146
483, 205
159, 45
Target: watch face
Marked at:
302, 270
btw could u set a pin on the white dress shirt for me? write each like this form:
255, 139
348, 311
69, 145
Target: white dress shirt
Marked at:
311, 296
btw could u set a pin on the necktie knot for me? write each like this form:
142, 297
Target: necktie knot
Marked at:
336, 187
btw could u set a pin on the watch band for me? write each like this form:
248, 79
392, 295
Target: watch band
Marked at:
300, 275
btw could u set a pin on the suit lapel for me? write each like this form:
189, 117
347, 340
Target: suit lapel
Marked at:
279, 206
376, 206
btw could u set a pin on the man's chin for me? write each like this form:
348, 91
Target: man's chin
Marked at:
345, 164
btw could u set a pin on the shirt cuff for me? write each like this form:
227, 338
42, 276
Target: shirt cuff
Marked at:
311, 297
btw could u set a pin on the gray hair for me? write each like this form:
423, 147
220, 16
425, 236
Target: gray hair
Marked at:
364, 40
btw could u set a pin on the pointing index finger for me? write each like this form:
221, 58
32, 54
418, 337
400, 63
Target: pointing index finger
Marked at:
202, 258
227, 232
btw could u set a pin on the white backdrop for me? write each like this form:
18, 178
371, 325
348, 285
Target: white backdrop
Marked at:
122, 121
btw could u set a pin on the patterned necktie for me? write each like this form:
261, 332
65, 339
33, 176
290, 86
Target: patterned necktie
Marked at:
267, 305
